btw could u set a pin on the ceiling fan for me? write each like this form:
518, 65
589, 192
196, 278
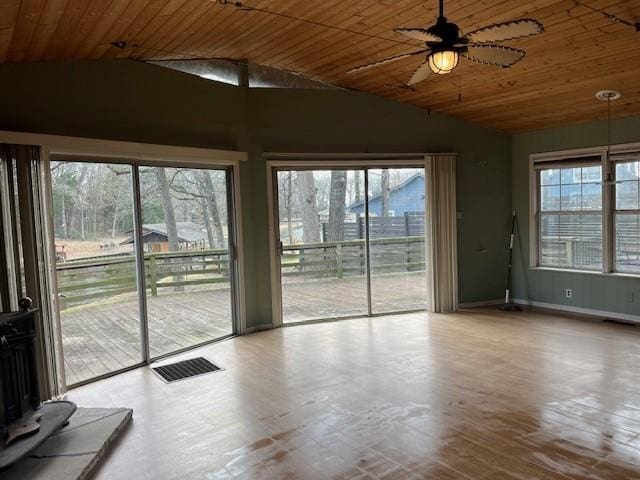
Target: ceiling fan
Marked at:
445, 45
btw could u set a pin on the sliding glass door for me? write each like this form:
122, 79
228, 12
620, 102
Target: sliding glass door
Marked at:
98, 299
185, 235
350, 241
323, 261
396, 239
142, 260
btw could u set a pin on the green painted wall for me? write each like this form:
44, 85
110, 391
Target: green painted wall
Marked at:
597, 292
124, 100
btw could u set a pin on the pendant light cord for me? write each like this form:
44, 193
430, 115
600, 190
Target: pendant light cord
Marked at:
608, 160
608, 96
609, 132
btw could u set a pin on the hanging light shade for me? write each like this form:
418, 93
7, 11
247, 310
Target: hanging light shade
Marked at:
443, 62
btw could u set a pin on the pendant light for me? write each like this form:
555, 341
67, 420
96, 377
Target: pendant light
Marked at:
608, 96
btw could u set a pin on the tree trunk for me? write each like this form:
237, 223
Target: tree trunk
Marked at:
63, 209
94, 220
384, 184
337, 198
114, 224
210, 197
82, 220
72, 216
357, 197
81, 192
207, 223
167, 208
288, 205
307, 194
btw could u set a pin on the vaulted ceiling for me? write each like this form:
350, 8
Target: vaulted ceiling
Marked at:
580, 52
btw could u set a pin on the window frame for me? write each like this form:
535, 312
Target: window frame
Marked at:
581, 163
580, 157
616, 211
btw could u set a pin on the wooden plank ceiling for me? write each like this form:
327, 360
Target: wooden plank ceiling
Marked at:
580, 52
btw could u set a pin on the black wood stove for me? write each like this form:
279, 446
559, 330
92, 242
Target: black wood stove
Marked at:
18, 373
25, 422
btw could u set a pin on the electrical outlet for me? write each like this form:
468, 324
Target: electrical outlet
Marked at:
568, 293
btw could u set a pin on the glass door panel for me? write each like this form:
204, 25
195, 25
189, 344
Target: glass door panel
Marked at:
323, 254
96, 268
185, 231
396, 239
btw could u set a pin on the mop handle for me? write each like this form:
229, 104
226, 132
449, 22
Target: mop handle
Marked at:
511, 240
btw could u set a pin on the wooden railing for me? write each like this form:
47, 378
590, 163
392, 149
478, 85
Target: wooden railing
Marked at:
571, 252
88, 280
343, 259
85, 281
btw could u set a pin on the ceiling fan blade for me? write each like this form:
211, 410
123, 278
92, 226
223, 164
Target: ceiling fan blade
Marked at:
497, 55
421, 74
386, 60
506, 31
418, 34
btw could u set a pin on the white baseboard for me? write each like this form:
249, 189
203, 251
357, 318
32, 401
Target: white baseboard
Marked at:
484, 303
583, 311
258, 328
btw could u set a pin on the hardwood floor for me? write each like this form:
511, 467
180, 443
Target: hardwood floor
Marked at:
479, 394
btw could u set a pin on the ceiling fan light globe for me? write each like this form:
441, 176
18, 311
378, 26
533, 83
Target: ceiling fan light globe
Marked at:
443, 62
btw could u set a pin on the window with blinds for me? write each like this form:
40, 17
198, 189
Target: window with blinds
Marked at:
586, 211
570, 216
627, 216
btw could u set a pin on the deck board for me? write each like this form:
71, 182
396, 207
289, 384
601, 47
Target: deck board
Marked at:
104, 337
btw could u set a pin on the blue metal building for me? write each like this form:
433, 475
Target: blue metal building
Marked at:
406, 197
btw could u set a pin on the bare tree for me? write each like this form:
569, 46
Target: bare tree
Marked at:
384, 194
80, 196
167, 207
207, 222
210, 198
356, 186
337, 199
288, 205
285, 199
305, 185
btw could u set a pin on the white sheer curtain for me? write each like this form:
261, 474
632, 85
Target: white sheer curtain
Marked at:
441, 232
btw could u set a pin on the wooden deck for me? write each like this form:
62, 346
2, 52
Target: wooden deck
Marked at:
101, 338
316, 299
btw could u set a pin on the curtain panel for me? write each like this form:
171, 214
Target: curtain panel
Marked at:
29, 255
441, 232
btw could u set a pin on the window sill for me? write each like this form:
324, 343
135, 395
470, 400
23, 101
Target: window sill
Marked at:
587, 272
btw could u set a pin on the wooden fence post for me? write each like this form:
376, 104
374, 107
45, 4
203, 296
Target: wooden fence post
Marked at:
339, 267
153, 275
408, 244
